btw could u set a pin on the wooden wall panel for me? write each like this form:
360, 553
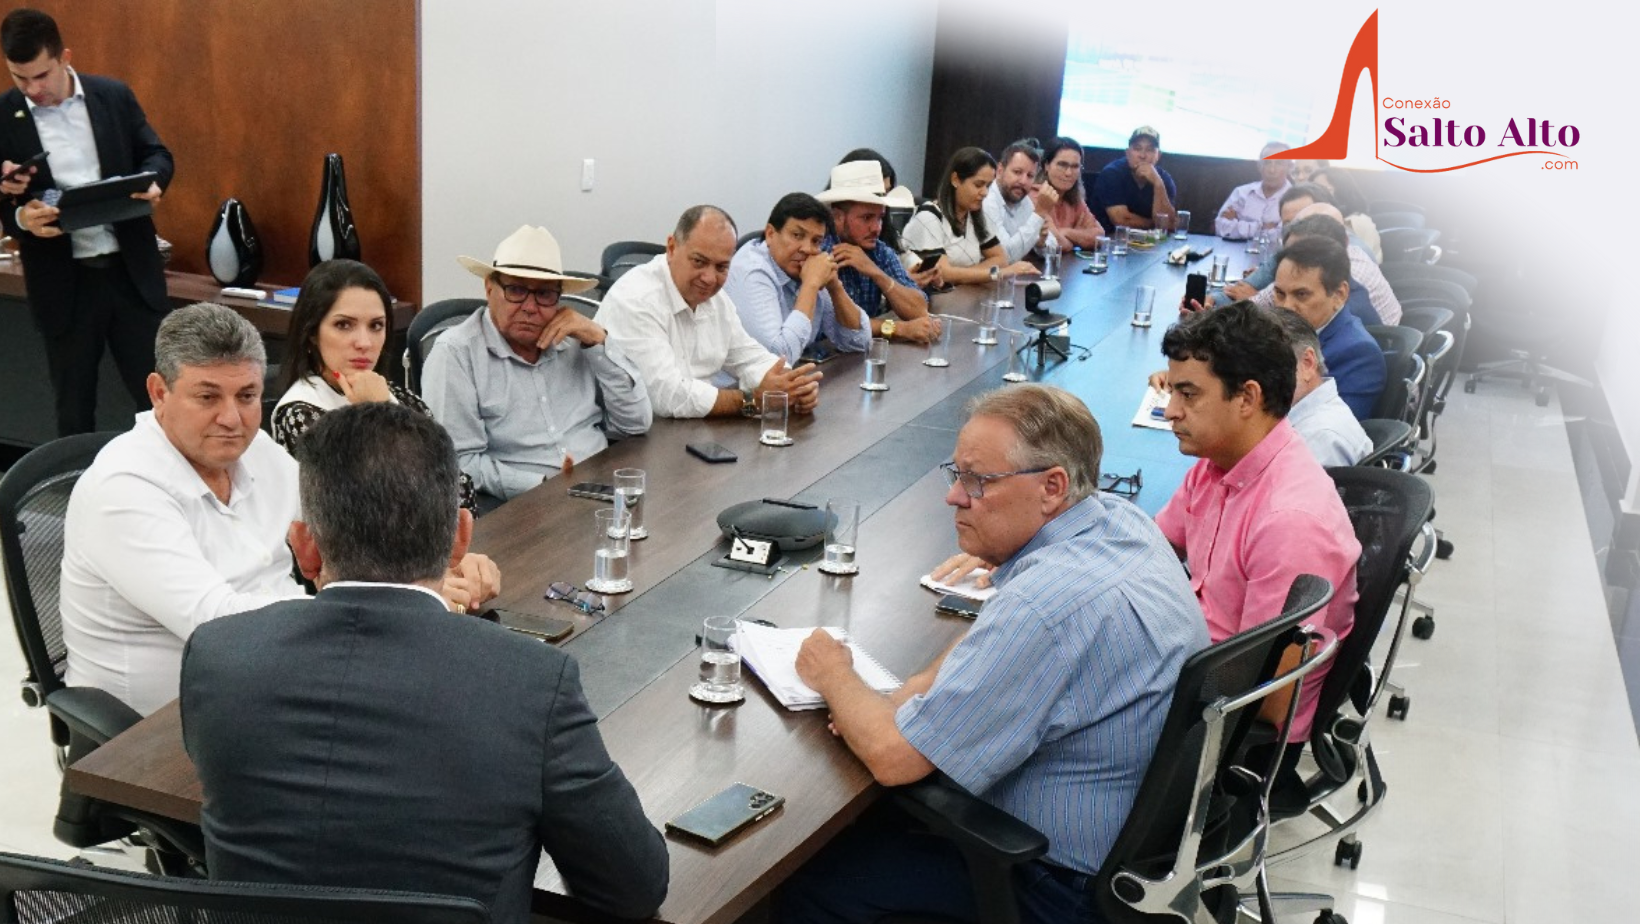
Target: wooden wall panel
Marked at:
250, 95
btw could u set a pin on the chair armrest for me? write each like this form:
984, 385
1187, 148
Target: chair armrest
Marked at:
94, 714
971, 823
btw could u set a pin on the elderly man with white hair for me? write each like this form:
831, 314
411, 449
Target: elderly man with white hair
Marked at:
1256, 207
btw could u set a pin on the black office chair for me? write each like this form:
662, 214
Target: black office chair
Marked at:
270, 395
1393, 205
583, 304
1391, 440
34, 497
600, 284
34, 890
1388, 220
426, 327
1404, 372
749, 237
1439, 350
1390, 511
1402, 272
623, 255
1193, 842
1410, 245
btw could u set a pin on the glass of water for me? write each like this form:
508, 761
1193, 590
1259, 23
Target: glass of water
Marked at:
1221, 271
876, 366
939, 349
842, 528
1006, 287
1101, 255
987, 325
1016, 357
1119, 241
629, 491
776, 409
614, 545
1144, 305
1255, 244
1181, 227
719, 662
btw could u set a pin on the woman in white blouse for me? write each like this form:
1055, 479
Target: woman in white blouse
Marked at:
955, 223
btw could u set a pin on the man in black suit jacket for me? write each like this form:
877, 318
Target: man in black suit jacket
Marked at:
367, 737
96, 284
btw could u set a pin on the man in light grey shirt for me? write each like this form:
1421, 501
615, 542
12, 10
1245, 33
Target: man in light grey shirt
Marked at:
1322, 419
528, 386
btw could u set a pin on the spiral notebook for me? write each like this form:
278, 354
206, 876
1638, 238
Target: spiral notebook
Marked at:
771, 653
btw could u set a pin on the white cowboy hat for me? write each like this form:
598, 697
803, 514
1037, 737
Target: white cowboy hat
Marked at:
528, 253
862, 181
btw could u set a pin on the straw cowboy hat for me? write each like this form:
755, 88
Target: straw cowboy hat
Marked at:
528, 253
862, 181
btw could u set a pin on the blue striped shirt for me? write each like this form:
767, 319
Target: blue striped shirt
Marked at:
1051, 706
766, 297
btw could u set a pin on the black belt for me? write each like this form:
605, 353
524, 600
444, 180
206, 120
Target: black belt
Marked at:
99, 261
1067, 877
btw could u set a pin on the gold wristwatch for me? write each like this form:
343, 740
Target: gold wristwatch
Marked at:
888, 326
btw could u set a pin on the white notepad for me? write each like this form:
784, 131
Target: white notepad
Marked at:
772, 654
1153, 399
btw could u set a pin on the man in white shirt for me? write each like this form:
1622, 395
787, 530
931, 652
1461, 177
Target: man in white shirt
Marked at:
183, 519
1321, 418
1016, 212
1256, 207
672, 318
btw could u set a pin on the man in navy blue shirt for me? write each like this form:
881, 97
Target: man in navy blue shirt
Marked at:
1313, 281
1130, 192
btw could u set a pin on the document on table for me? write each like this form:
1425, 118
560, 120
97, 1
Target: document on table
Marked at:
1153, 400
771, 653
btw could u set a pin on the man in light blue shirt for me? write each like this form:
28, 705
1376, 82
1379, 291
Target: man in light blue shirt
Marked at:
528, 386
786, 287
1050, 707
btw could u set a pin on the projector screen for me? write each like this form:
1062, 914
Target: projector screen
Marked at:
1208, 104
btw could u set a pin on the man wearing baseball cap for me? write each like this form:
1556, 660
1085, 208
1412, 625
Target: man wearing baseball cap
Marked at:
528, 386
1130, 192
869, 270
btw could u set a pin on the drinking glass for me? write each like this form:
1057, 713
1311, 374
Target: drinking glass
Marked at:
1016, 357
776, 410
876, 366
842, 528
629, 491
939, 350
1004, 291
1181, 227
1050, 261
610, 559
1119, 241
1144, 305
1221, 271
1159, 224
1101, 255
719, 662
1255, 244
987, 325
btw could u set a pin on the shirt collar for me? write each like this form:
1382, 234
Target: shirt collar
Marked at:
371, 585
785, 278
674, 298
1070, 522
501, 349
1254, 463
184, 479
77, 93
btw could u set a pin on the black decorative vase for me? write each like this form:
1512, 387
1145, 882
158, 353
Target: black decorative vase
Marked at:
233, 249
334, 235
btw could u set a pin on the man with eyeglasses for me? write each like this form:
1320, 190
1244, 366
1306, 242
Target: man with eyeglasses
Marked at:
529, 386
1049, 707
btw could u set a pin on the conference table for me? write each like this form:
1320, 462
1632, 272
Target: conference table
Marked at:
638, 656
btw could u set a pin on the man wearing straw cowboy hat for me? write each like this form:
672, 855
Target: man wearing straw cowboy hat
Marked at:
869, 270
528, 386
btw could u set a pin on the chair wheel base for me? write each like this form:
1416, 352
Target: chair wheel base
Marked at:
1542, 398
1469, 386
1348, 853
1429, 467
1398, 706
1423, 627
1330, 917
1444, 549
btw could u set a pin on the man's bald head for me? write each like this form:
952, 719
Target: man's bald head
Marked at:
1325, 209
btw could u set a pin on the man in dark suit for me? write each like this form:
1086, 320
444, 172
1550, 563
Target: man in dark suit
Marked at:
1313, 281
95, 284
367, 737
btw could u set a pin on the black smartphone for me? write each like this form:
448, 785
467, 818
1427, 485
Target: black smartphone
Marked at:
818, 353
1195, 289
593, 491
544, 627
928, 258
34, 161
958, 605
718, 818
711, 452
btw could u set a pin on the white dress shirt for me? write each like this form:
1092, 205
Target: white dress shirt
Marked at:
1017, 226
65, 131
1329, 428
1254, 210
684, 355
1364, 269
149, 553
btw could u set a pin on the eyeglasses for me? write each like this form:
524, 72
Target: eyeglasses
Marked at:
974, 482
1122, 485
1062, 165
515, 294
583, 600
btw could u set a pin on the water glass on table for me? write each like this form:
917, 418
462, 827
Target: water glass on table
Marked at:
1221, 271
842, 529
939, 349
1119, 241
1016, 357
987, 325
629, 492
1101, 255
719, 662
1144, 305
609, 561
876, 366
776, 413
1181, 227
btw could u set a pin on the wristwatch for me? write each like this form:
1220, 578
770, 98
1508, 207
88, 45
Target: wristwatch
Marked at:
748, 404
888, 326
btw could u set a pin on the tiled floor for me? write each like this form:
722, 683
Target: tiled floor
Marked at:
1514, 783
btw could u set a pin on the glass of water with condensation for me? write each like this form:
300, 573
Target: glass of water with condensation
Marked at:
609, 561
842, 527
719, 662
629, 491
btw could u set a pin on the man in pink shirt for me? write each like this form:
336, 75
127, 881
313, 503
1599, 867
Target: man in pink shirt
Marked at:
1257, 510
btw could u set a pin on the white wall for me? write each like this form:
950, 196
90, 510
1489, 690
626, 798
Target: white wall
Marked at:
731, 102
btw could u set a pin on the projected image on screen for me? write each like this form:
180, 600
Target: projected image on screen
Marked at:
1215, 106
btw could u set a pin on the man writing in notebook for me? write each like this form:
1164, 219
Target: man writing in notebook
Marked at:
1049, 708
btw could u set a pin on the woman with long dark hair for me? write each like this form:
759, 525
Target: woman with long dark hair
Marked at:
1072, 223
955, 222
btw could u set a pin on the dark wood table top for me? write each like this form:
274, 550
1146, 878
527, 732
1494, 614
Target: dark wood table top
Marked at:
678, 752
